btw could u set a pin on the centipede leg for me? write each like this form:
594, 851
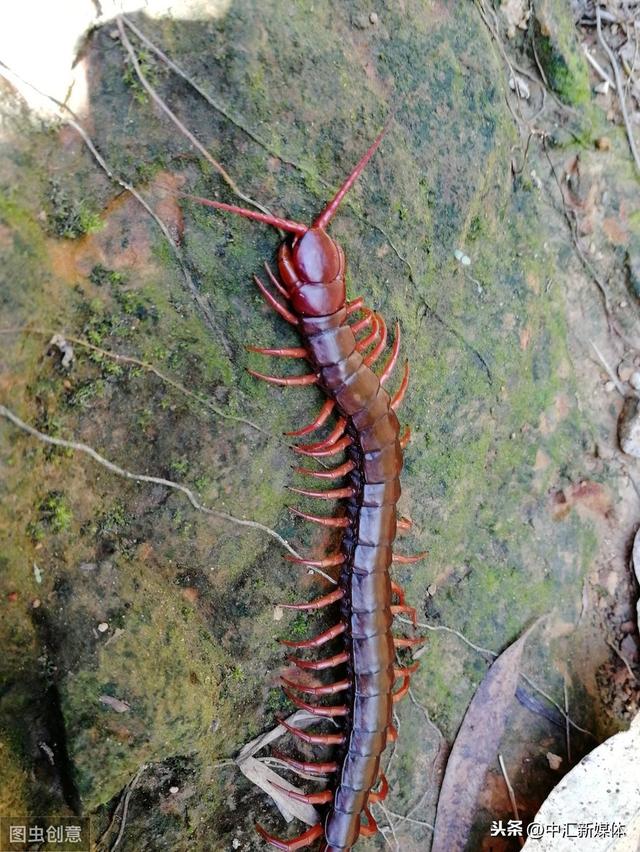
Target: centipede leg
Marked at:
322, 417
397, 589
404, 689
313, 739
318, 603
320, 798
381, 794
340, 522
405, 438
319, 665
369, 828
373, 356
305, 839
275, 304
388, 368
331, 473
401, 559
286, 352
275, 281
286, 381
397, 609
404, 384
305, 765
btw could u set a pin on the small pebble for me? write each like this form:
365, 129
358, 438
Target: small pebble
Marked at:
103, 627
373, 17
173, 790
463, 258
634, 380
610, 386
554, 760
12, 597
603, 143
432, 589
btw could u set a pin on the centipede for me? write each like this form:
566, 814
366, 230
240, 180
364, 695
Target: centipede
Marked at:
342, 340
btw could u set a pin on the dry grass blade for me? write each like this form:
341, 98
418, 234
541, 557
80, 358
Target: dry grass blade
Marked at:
265, 778
475, 749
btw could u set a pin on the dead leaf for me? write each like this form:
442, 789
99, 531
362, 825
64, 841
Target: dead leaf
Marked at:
265, 778
475, 749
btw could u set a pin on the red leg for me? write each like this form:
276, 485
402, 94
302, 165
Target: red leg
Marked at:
318, 665
291, 352
287, 381
317, 519
327, 562
354, 305
331, 450
316, 710
409, 610
320, 798
314, 739
392, 734
373, 356
384, 375
404, 384
336, 433
365, 322
312, 768
332, 494
299, 842
275, 281
361, 345
404, 523
318, 603
398, 590
325, 411
404, 689
381, 794
405, 642
399, 559
316, 641
406, 437
371, 826
406, 670
325, 689
332, 473
275, 304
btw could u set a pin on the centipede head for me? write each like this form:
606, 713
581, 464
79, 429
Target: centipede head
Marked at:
311, 264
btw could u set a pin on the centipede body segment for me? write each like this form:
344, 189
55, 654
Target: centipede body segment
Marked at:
366, 440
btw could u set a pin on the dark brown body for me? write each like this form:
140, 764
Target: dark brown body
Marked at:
366, 606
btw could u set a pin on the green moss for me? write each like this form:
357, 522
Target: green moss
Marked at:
53, 516
559, 52
71, 217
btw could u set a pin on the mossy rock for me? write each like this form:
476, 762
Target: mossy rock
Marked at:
191, 645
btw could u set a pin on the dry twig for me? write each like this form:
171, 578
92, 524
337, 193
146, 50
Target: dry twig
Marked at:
512, 795
620, 88
155, 97
156, 480
150, 368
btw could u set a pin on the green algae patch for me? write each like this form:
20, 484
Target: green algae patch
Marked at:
559, 53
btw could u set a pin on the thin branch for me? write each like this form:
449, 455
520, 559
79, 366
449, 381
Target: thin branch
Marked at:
512, 795
177, 69
181, 127
155, 480
620, 88
128, 359
410, 819
125, 808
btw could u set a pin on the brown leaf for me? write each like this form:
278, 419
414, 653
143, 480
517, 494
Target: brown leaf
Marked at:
475, 749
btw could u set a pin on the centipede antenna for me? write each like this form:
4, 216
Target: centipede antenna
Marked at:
276, 221
325, 217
